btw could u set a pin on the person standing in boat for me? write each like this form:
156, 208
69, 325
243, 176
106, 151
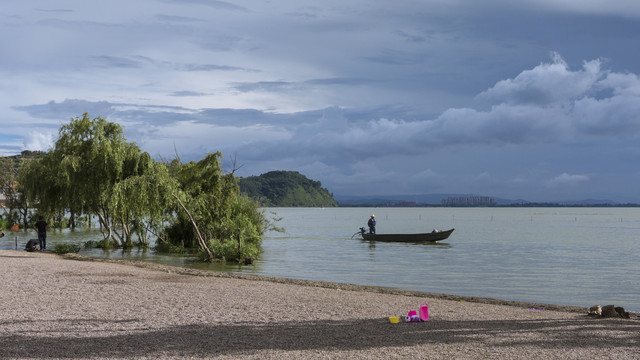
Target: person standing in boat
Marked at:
372, 224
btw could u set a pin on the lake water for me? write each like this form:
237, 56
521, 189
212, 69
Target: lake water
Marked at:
567, 256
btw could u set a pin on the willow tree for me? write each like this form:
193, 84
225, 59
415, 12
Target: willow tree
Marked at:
144, 203
15, 201
91, 170
212, 214
43, 185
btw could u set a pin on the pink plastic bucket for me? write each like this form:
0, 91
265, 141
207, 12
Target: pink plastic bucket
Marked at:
424, 312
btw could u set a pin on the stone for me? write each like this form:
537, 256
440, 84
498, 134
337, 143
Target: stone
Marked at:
609, 311
622, 313
595, 310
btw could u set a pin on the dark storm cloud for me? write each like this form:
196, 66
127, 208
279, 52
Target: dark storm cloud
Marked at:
565, 113
67, 109
366, 96
117, 62
287, 86
338, 81
223, 5
561, 109
178, 19
56, 10
187, 93
212, 67
266, 86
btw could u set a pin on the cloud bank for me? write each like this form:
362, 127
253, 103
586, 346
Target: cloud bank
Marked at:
550, 106
369, 97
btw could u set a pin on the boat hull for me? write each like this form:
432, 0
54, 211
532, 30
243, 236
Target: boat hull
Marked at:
414, 238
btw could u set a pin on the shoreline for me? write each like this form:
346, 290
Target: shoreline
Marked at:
52, 307
328, 285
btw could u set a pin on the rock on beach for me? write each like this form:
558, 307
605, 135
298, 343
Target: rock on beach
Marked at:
77, 307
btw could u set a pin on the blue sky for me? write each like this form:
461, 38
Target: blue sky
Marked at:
532, 99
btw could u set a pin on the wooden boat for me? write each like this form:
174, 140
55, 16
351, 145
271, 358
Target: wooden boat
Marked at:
435, 235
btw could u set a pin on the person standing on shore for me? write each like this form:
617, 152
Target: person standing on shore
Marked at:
41, 226
372, 224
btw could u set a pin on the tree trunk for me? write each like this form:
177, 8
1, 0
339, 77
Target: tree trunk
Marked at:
239, 245
201, 241
104, 224
126, 236
72, 220
24, 212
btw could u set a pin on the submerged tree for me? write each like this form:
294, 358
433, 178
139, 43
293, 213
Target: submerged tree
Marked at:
144, 203
214, 215
86, 172
93, 170
15, 200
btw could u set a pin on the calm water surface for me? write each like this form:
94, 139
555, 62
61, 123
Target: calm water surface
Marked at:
569, 256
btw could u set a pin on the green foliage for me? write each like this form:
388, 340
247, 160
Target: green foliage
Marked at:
168, 248
104, 244
245, 241
91, 244
286, 189
220, 215
93, 170
15, 202
145, 200
66, 248
178, 233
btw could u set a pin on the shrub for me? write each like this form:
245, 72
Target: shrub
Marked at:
66, 248
168, 248
102, 244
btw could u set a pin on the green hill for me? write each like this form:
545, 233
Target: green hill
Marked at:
286, 189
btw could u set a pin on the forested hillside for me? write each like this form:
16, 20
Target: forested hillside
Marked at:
286, 188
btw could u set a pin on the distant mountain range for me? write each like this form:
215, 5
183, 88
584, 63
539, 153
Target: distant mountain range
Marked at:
436, 200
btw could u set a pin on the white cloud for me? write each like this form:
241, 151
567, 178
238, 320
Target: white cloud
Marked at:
35, 140
412, 91
567, 179
547, 84
625, 8
483, 176
577, 106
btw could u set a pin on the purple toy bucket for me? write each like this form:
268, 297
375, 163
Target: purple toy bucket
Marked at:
424, 312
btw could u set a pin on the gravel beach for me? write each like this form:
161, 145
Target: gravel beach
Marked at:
75, 307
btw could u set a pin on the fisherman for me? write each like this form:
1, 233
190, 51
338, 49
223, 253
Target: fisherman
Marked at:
372, 224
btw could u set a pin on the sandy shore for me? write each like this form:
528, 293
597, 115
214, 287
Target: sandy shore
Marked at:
54, 307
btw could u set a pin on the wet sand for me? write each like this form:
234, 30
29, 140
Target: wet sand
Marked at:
64, 307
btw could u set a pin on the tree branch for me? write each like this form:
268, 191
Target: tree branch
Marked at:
203, 244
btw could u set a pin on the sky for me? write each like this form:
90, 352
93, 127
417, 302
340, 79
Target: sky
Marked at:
531, 99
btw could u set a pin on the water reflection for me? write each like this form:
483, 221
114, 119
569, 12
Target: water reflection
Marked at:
372, 244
